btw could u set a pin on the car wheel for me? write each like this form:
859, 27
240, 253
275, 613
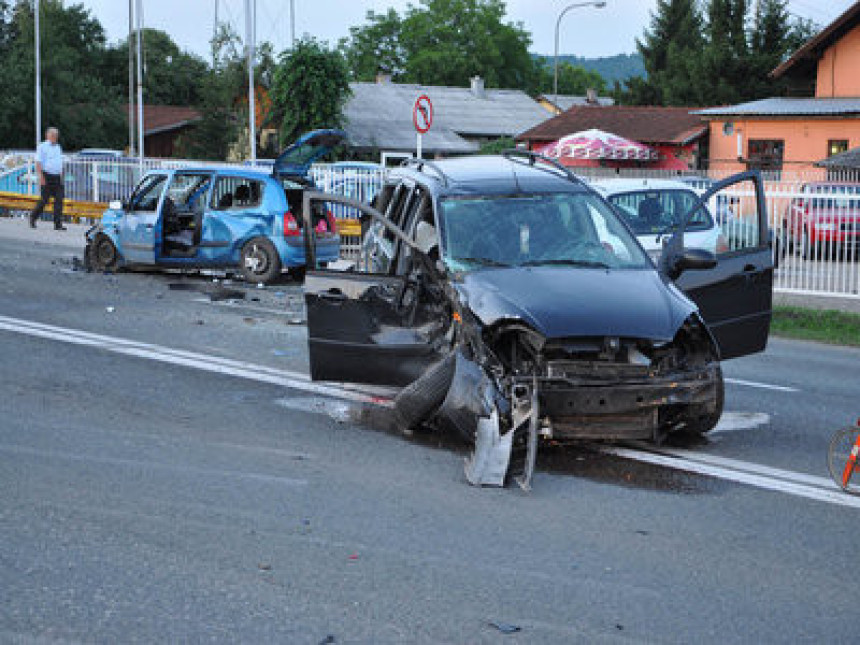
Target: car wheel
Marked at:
260, 261
419, 400
704, 423
103, 254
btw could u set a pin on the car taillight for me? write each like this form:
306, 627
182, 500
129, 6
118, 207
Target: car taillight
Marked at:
332, 226
722, 244
291, 227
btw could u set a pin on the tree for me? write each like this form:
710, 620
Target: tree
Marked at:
375, 47
443, 42
75, 99
669, 52
172, 77
309, 89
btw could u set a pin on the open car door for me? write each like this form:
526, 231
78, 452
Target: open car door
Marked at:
734, 297
140, 225
367, 327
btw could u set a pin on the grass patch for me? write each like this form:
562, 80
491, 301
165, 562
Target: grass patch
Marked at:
827, 326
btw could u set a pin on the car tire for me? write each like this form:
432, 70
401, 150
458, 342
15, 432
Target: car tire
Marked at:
703, 423
419, 400
102, 254
260, 261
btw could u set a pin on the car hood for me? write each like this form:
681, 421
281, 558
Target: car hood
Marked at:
560, 302
295, 161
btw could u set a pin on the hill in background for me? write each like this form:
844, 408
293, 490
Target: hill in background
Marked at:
612, 68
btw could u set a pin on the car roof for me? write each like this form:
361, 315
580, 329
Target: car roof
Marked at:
221, 170
618, 186
488, 175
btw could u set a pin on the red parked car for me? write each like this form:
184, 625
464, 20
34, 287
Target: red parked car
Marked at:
826, 222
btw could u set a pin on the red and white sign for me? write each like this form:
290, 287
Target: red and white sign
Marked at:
422, 114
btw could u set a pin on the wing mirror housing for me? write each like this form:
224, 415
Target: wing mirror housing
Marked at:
690, 260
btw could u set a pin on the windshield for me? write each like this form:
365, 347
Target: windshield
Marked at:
657, 211
576, 229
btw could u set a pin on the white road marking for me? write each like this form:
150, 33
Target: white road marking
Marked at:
733, 421
230, 367
764, 386
784, 481
802, 485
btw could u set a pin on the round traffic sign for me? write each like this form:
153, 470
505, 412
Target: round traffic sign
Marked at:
422, 113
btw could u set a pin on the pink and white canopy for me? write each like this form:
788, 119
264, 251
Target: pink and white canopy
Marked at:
597, 145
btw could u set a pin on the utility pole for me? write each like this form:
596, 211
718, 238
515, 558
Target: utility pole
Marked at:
38, 75
250, 37
292, 24
130, 79
214, 36
139, 15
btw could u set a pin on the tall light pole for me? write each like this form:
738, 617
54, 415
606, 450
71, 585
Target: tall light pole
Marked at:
251, 35
130, 79
596, 5
38, 75
140, 132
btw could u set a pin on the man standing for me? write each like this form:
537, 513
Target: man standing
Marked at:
49, 167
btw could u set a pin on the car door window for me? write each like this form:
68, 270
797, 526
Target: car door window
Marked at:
146, 197
236, 193
188, 190
737, 216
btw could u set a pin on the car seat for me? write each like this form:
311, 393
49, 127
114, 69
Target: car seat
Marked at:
650, 212
226, 201
243, 195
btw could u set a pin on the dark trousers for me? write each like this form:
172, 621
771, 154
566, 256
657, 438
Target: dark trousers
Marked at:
53, 188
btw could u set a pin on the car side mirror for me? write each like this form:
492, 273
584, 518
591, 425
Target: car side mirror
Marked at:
691, 260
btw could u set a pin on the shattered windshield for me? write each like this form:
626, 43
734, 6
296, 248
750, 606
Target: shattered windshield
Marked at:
572, 229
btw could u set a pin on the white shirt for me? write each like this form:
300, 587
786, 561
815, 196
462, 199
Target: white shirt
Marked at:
50, 155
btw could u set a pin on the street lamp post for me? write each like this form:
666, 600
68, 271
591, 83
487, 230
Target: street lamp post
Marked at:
596, 5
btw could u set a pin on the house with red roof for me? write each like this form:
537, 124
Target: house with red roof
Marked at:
678, 137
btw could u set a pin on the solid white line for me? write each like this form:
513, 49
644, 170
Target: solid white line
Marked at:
809, 486
782, 485
764, 386
241, 369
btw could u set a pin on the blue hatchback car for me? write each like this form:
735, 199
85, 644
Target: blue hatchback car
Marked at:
220, 218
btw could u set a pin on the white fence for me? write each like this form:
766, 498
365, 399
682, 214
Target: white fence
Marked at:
815, 223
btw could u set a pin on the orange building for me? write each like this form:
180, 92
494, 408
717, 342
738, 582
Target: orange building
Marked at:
790, 134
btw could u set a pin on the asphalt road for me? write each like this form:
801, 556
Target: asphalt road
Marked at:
156, 496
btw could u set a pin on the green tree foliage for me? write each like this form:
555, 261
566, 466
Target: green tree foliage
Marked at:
309, 89
74, 97
375, 47
670, 50
172, 77
221, 89
443, 42
720, 57
573, 80
497, 146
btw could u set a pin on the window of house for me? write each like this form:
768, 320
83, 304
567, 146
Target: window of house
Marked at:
766, 154
835, 146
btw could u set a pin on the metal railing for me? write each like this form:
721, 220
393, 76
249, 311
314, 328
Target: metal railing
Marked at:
814, 216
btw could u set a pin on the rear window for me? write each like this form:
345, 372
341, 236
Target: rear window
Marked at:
655, 211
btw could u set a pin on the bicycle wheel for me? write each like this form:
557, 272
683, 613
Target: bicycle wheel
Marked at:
843, 459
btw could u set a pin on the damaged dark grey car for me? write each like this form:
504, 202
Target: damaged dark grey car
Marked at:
506, 298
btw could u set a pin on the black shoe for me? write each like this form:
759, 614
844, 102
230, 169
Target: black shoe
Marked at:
32, 223
60, 228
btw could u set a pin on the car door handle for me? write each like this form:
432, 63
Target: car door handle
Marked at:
334, 296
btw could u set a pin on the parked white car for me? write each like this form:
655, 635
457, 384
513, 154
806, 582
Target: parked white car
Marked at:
652, 208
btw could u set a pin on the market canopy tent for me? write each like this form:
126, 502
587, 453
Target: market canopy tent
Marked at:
596, 146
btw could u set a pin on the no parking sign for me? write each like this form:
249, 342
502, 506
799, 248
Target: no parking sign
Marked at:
422, 118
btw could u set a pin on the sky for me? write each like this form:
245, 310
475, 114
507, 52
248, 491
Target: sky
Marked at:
584, 31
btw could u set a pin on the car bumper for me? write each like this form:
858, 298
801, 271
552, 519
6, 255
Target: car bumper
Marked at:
624, 409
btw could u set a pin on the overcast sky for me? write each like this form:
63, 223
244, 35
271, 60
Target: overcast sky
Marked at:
585, 31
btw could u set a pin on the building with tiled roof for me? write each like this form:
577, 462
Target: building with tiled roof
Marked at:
379, 117
677, 135
820, 119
